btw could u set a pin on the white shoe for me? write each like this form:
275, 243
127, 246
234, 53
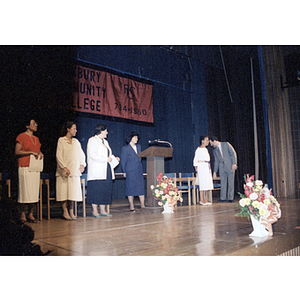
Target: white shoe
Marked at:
208, 203
201, 203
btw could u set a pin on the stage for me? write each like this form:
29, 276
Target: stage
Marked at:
191, 231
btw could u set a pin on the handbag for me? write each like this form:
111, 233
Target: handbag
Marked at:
35, 165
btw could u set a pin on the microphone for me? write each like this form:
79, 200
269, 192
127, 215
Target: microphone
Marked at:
158, 141
165, 142
150, 142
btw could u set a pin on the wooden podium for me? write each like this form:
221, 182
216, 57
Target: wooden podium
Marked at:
155, 164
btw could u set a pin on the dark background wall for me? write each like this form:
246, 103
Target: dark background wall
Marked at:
191, 98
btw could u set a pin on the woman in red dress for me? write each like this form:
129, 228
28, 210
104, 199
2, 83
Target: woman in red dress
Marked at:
29, 182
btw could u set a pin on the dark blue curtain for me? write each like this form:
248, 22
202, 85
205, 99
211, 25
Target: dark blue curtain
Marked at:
180, 113
190, 99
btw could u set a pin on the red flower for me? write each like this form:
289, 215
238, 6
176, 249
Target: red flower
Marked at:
247, 193
250, 179
159, 177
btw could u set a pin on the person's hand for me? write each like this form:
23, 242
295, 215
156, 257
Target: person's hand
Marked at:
81, 168
215, 176
36, 155
67, 171
118, 158
40, 155
234, 167
109, 159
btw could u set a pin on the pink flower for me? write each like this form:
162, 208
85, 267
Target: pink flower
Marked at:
250, 179
247, 193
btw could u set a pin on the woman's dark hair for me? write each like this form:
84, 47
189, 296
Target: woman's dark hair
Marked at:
99, 128
28, 120
130, 135
202, 138
66, 126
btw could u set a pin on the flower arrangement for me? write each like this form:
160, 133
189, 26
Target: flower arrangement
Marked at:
165, 191
258, 201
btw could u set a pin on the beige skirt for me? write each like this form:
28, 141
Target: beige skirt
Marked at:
29, 186
68, 188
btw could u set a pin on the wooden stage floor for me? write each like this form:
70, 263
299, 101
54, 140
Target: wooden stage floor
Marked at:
190, 231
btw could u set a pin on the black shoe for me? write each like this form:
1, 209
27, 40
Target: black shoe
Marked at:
221, 201
230, 201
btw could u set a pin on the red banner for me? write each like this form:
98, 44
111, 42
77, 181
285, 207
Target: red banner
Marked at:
104, 93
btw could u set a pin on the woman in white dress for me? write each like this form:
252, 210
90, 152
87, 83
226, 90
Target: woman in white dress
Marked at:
202, 166
70, 164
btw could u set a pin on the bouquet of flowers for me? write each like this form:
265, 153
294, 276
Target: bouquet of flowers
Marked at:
258, 201
165, 191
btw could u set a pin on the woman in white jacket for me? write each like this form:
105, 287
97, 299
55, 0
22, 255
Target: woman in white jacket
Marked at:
100, 171
70, 164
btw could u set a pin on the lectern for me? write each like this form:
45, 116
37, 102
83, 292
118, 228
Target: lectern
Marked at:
155, 164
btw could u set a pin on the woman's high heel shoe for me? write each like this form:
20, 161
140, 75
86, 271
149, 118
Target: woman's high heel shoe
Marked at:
105, 215
99, 216
67, 217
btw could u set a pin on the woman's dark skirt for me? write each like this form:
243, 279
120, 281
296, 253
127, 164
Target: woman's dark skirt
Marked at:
100, 191
135, 182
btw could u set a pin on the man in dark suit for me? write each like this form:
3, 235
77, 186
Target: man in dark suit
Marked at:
226, 163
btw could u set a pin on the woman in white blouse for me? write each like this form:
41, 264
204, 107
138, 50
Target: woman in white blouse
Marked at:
70, 164
100, 173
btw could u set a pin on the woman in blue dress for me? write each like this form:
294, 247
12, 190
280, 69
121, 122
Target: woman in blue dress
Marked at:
133, 170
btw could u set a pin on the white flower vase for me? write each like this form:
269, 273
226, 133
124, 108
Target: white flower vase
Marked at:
259, 230
168, 209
